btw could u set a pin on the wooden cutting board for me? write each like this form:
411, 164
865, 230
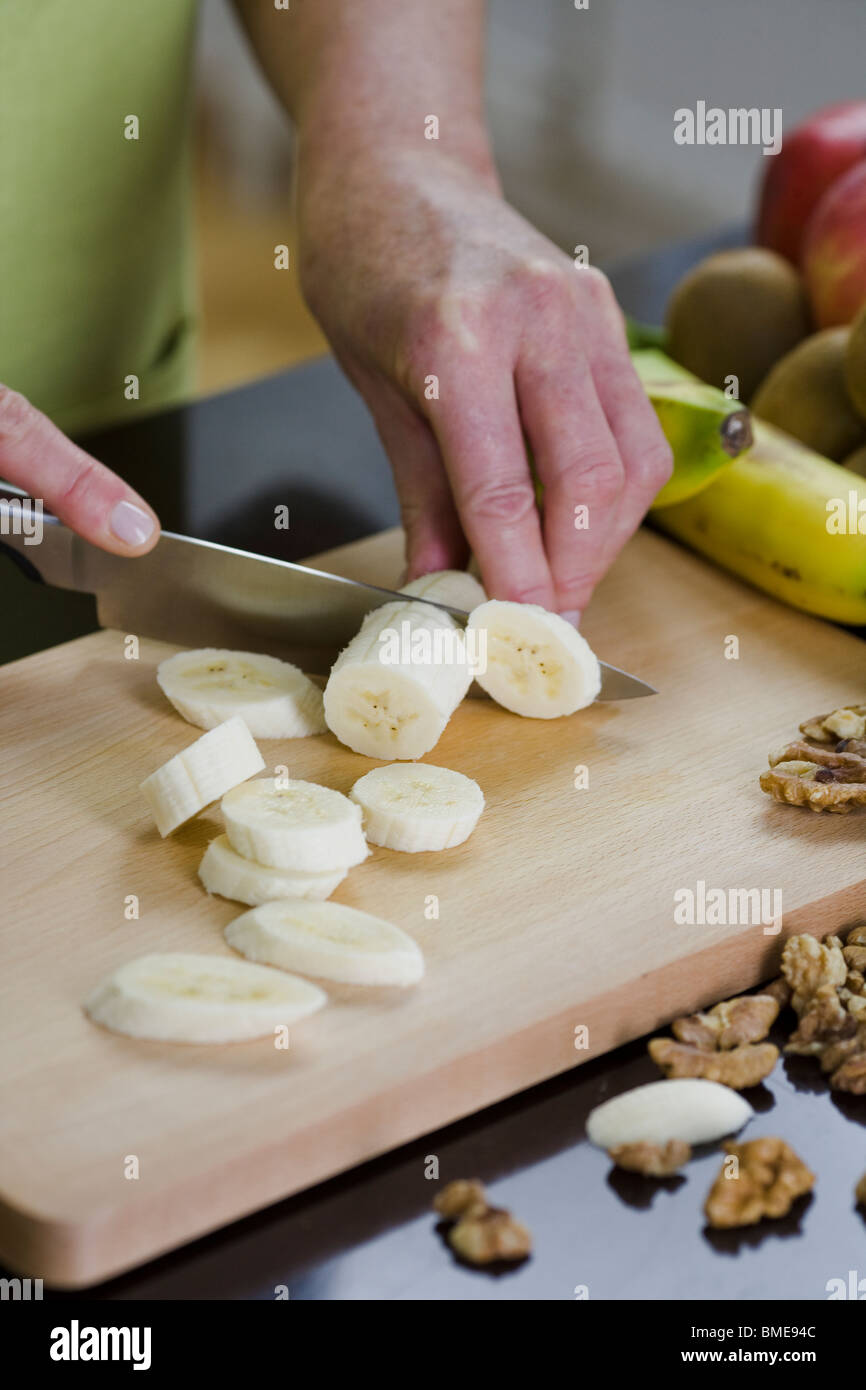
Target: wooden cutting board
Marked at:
558, 913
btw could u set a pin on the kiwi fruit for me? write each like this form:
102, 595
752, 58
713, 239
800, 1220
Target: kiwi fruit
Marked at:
805, 394
736, 314
855, 363
856, 461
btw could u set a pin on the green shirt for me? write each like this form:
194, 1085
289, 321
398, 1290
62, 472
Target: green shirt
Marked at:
96, 273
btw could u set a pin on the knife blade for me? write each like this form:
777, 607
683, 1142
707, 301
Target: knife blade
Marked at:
199, 594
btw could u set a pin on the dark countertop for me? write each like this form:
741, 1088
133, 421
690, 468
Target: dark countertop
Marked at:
216, 469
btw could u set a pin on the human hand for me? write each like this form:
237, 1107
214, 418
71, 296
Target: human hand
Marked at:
84, 494
470, 335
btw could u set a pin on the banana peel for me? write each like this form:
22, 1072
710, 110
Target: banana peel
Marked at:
788, 521
705, 428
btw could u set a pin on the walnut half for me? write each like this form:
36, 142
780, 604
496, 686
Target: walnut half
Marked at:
652, 1160
482, 1237
460, 1196
808, 964
849, 721
746, 1019
769, 1179
824, 1020
740, 1068
480, 1234
823, 781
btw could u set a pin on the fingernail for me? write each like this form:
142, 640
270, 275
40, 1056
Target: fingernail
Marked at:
572, 616
130, 524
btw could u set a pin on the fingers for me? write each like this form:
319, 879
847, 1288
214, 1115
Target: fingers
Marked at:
597, 442
84, 494
478, 429
644, 450
434, 537
579, 463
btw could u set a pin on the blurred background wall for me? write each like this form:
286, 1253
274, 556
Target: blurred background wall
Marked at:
581, 106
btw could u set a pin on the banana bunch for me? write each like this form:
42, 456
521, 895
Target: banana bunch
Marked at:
788, 521
778, 515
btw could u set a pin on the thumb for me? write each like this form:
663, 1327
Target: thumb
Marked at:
84, 494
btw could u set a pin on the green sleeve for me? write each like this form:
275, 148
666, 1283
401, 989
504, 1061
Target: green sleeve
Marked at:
96, 271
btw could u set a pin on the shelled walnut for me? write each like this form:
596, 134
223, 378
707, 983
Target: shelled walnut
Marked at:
652, 1160
849, 721
739, 1068
826, 768
851, 1074
808, 964
837, 782
824, 1020
765, 1182
482, 1237
746, 1019
829, 999
459, 1197
480, 1234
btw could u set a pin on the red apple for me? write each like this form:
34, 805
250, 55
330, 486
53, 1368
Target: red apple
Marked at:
834, 250
812, 157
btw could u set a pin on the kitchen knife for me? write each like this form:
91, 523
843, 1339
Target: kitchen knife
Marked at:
199, 594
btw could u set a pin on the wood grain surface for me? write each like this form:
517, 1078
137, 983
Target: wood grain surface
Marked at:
557, 913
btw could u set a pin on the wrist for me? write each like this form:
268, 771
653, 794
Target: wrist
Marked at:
329, 156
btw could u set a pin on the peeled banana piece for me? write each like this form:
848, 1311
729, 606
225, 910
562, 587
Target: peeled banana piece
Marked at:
415, 807
535, 664
456, 588
787, 520
290, 824
180, 997
229, 874
328, 940
392, 691
274, 698
201, 773
705, 428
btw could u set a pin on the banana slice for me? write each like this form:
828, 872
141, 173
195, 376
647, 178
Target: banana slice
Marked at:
414, 806
392, 691
294, 825
180, 997
457, 588
274, 698
224, 871
537, 664
328, 940
201, 774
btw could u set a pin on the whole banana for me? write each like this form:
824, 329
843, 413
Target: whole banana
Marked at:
787, 520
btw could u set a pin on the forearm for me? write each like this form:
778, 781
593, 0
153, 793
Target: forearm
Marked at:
361, 77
